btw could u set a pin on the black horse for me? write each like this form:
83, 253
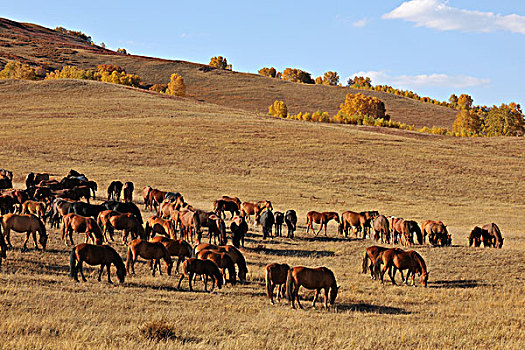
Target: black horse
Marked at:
290, 218
239, 230
172, 196
128, 191
121, 207
114, 190
86, 209
279, 220
267, 220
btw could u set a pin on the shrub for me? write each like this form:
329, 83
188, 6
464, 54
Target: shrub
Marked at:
278, 109
268, 72
176, 85
71, 72
219, 62
158, 87
331, 78
505, 120
17, 70
363, 105
105, 72
297, 76
467, 121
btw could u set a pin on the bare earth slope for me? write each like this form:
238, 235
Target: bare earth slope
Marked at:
37, 45
111, 132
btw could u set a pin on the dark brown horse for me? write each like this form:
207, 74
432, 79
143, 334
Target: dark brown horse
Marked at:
81, 224
149, 251
475, 236
114, 190
217, 230
102, 255
311, 278
24, 223
494, 238
276, 275
225, 203
223, 261
239, 228
176, 247
82, 192
234, 253
400, 260
3, 247
128, 191
155, 198
33, 179
372, 254
208, 268
320, 218
157, 225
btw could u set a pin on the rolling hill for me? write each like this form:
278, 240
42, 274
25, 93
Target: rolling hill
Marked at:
40, 46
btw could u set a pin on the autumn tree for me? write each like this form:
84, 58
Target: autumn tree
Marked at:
465, 101
219, 62
360, 82
467, 121
268, 72
17, 70
505, 120
453, 99
158, 87
71, 72
176, 85
319, 80
331, 78
297, 76
278, 109
363, 105
122, 51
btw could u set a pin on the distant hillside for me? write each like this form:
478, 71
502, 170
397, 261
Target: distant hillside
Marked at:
37, 45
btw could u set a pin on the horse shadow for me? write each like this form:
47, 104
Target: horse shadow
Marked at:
149, 286
372, 309
450, 284
292, 252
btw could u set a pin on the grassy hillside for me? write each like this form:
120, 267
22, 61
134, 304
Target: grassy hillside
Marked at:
37, 45
111, 132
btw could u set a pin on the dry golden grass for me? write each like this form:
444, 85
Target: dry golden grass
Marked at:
41, 46
475, 296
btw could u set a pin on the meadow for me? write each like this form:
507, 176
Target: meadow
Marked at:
475, 297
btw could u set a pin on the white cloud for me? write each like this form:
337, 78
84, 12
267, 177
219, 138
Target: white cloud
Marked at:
438, 15
360, 23
422, 80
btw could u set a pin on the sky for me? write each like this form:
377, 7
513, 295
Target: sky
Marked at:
432, 47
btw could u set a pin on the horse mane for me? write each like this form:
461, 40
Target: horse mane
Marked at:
42, 227
420, 260
117, 259
241, 262
331, 273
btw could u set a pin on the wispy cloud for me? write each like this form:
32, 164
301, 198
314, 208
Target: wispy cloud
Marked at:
360, 23
438, 15
423, 80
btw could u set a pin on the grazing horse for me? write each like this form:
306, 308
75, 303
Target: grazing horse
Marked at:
24, 223
276, 274
233, 252
436, 231
114, 190
223, 261
310, 278
290, 218
128, 191
397, 227
372, 254
279, 220
494, 236
102, 255
146, 197
249, 208
208, 268
225, 203
475, 237
355, 222
381, 229
320, 218
267, 220
217, 230
127, 222
176, 247
408, 229
401, 260
124, 208
157, 225
81, 224
190, 226
239, 228
149, 251
35, 208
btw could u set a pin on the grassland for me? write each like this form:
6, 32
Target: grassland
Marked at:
475, 296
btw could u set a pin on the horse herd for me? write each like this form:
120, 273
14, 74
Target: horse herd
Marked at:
175, 223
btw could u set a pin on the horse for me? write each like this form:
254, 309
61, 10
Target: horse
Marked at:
81, 224
217, 230
402, 260
128, 191
249, 208
408, 229
82, 192
103, 222
93, 186
475, 237
311, 278
102, 255
59, 208
279, 220
173, 196
157, 225
290, 218
176, 247
165, 209
7, 174
114, 190
223, 261
86, 209
355, 222
127, 222
397, 227
239, 228
153, 251
276, 274
32, 179
35, 208
267, 220
208, 268
155, 198
233, 252
145, 196
7, 204
190, 226
225, 203
436, 231
495, 234
372, 254
320, 218
24, 223
381, 229
121, 207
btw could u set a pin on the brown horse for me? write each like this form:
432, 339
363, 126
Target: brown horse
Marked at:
102, 255
401, 260
155, 198
208, 268
239, 228
190, 226
146, 197
35, 208
82, 192
81, 224
355, 222
320, 218
381, 228
128, 191
153, 251
372, 254
225, 203
157, 225
276, 274
475, 236
222, 260
233, 252
436, 231
494, 236
24, 223
59, 208
176, 247
166, 209
397, 227
250, 208
127, 222
311, 278
7, 204
217, 230
103, 222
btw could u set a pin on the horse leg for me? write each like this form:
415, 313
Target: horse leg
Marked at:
270, 290
100, 272
81, 268
28, 233
326, 298
180, 281
206, 283
109, 276
297, 295
316, 296
178, 263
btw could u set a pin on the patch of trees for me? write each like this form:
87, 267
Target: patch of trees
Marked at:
18, 70
105, 72
75, 33
220, 62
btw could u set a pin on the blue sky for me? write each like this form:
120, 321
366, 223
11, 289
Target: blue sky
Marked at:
433, 47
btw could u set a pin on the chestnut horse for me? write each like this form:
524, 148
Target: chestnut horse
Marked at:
276, 274
401, 260
217, 230
176, 247
157, 225
155, 198
35, 208
24, 223
372, 254
81, 224
127, 222
102, 255
233, 252
436, 231
355, 222
311, 278
146, 197
128, 191
222, 260
494, 235
381, 228
320, 218
153, 251
190, 226
250, 208
208, 268
225, 203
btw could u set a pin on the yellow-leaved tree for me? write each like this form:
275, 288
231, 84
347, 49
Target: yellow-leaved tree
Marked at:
505, 120
278, 109
467, 122
219, 62
360, 104
331, 78
17, 70
176, 85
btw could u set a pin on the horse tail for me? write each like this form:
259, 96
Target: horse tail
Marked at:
289, 285
73, 263
148, 229
268, 278
365, 262
377, 264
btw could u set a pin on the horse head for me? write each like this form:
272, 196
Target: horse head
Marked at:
424, 278
333, 294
